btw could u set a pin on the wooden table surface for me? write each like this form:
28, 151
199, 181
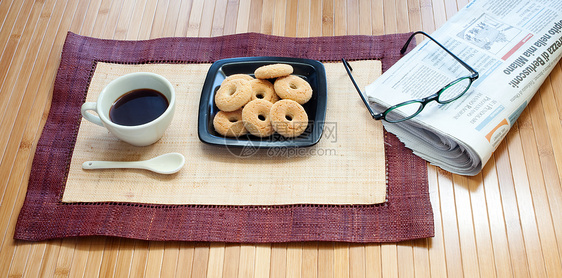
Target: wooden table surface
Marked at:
506, 221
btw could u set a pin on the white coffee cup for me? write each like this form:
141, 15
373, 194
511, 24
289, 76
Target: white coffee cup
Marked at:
138, 135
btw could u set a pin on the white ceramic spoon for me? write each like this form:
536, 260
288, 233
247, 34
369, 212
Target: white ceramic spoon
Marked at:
169, 163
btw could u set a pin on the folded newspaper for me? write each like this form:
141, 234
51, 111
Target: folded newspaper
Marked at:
512, 44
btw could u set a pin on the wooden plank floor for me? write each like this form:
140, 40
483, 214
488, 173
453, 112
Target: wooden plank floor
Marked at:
504, 222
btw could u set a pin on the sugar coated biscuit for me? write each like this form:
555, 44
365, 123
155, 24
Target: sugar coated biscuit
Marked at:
256, 117
294, 88
263, 89
233, 94
273, 71
238, 76
288, 118
229, 124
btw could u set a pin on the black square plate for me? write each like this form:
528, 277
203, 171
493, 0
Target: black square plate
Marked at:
311, 70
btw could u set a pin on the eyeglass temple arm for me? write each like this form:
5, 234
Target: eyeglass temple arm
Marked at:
469, 68
349, 69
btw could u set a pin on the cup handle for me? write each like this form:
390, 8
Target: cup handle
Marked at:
89, 116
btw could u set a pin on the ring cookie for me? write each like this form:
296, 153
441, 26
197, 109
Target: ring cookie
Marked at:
233, 94
294, 88
238, 76
229, 124
288, 118
256, 117
273, 71
263, 89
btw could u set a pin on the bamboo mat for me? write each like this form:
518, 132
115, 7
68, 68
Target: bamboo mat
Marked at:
406, 215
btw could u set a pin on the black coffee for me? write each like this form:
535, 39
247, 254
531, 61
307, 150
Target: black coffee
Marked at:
138, 107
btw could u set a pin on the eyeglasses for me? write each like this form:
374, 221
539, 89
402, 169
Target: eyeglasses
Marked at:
411, 108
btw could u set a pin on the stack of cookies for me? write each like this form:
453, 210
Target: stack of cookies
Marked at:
260, 107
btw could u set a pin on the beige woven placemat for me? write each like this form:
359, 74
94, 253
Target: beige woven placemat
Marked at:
347, 166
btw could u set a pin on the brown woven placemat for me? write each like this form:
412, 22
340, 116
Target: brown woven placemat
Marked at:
406, 215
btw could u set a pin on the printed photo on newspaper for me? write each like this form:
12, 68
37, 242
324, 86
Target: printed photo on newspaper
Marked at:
513, 45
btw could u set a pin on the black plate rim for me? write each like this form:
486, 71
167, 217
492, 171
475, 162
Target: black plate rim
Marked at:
203, 121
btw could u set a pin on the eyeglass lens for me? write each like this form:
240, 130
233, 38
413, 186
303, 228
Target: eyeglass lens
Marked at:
410, 109
454, 90
403, 111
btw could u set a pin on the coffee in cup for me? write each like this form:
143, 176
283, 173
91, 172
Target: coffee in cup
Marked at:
136, 108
